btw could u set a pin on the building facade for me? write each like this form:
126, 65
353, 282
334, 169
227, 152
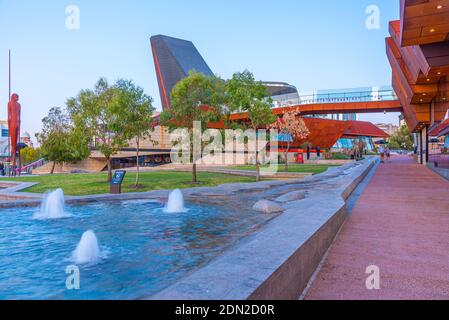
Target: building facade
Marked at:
4, 139
418, 52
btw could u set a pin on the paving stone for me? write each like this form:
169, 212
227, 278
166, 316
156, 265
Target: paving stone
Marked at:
400, 224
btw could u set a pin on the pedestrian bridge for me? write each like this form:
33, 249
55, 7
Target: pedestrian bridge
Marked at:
338, 102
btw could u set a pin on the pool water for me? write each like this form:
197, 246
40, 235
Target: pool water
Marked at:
143, 249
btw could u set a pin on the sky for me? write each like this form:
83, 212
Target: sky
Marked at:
314, 45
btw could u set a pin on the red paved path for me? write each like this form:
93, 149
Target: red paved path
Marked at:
400, 224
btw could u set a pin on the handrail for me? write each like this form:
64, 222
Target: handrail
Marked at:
33, 165
339, 97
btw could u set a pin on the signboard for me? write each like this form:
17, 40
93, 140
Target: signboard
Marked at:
118, 177
117, 180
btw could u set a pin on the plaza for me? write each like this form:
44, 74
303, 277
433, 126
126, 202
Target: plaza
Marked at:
306, 200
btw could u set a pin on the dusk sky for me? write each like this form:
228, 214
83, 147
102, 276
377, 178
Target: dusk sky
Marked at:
321, 44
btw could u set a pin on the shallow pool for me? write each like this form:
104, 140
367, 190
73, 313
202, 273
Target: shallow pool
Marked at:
144, 249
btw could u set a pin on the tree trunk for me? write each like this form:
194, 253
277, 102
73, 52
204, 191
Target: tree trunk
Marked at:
52, 171
138, 165
286, 157
194, 175
109, 169
257, 167
257, 158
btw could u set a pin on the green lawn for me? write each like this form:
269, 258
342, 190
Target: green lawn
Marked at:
88, 184
294, 168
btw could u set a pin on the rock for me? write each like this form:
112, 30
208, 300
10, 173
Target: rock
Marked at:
266, 206
291, 196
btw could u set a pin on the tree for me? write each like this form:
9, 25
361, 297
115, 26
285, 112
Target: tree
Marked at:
292, 127
245, 94
96, 113
30, 155
60, 141
197, 98
136, 110
402, 139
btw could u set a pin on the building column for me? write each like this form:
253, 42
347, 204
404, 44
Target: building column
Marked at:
427, 144
423, 146
420, 148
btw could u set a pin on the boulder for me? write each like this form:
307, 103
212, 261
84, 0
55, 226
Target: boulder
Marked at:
266, 206
291, 196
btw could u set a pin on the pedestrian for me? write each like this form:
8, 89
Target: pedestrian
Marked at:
382, 154
388, 154
2, 169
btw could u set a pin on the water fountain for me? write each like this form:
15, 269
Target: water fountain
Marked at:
52, 206
88, 250
175, 202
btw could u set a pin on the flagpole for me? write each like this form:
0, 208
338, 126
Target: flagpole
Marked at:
9, 99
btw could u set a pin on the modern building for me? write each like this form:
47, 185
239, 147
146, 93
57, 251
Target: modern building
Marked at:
25, 140
175, 58
4, 139
418, 51
282, 93
389, 128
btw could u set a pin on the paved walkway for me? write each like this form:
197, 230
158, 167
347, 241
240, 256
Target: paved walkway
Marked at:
401, 225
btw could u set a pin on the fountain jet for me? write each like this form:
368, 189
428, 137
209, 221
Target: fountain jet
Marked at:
88, 250
52, 206
175, 202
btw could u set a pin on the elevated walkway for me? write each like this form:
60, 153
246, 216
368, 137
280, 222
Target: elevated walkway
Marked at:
338, 102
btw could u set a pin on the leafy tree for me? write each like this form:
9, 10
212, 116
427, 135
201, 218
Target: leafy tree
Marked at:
30, 155
135, 109
60, 141
197, 98
96, 113
245, 94
293, 128
402, 139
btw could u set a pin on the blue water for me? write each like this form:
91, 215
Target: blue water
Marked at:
144, 249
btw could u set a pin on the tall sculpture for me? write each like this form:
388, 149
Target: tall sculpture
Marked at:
14, 110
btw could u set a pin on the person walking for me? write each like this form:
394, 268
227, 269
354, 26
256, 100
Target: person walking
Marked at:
382, 154
388, 154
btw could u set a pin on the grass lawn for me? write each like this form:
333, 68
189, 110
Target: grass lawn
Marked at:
295, 168
88, 184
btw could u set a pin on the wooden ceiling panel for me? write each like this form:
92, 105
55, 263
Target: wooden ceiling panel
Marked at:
424, 22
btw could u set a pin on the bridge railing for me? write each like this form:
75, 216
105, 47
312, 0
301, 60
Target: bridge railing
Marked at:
30, 167
337, 97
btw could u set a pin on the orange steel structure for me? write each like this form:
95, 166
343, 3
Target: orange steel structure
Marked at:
418, 51
334, 108
325, 133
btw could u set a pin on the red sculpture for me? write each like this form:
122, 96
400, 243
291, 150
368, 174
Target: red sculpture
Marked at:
14, 109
